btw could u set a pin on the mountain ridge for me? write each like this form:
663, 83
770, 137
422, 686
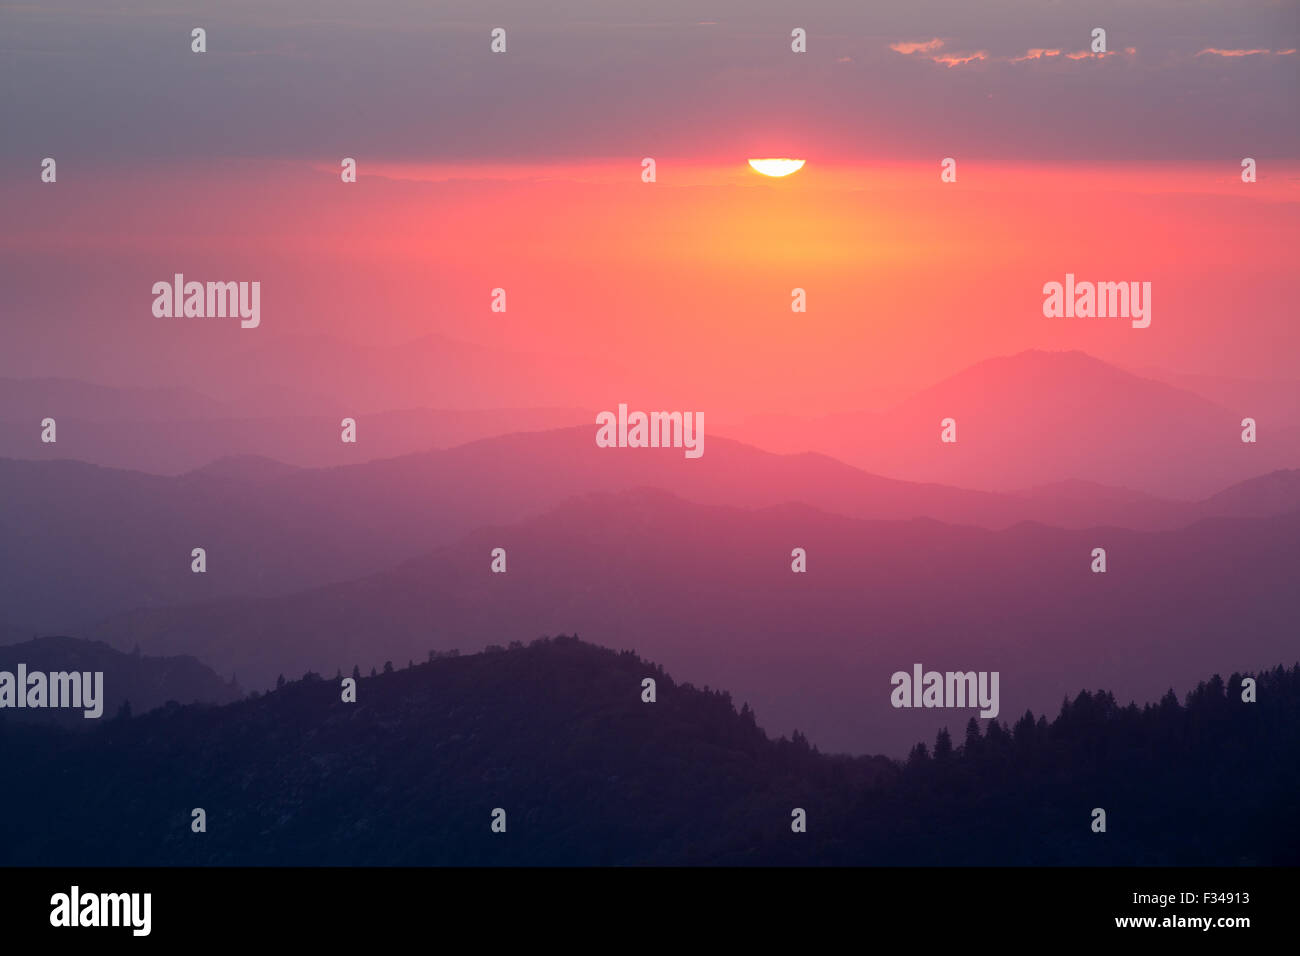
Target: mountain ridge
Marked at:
555, 741
709, 591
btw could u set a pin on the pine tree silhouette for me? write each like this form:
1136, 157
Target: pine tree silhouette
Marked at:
943, 745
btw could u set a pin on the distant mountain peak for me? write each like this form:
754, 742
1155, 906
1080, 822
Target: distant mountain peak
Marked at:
245, 467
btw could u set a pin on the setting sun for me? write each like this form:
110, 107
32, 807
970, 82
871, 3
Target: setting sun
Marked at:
776, 167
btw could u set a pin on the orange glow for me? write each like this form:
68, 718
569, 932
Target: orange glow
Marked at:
908, 280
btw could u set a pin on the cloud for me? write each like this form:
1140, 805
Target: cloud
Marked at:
953, 59
924, 46
339, 82
1217, 52
908, 47
1035, 54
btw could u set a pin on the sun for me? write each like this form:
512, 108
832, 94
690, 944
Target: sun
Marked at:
776, 167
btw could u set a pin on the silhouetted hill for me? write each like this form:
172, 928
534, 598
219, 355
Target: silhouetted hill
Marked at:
709, 592
556, 734
1274, 400
1033, 418
28, 400
146, 682
169, 431
97, 540
1044, 417
1211, 781
432, 371
1260, 497
249, 468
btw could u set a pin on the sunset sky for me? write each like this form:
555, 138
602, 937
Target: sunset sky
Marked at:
383, 417
522, 171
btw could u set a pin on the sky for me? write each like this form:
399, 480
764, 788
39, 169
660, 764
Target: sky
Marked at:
522, 171
583, 78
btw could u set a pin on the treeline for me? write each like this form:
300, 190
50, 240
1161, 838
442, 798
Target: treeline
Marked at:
556, 735
1211, 780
